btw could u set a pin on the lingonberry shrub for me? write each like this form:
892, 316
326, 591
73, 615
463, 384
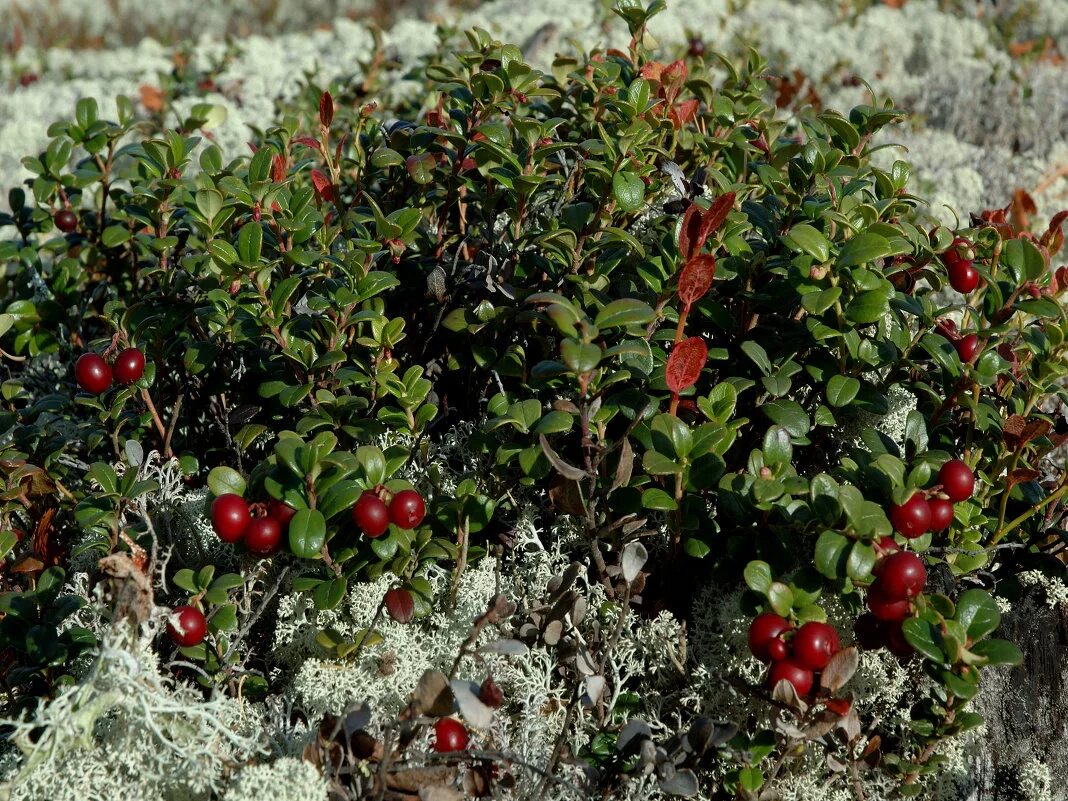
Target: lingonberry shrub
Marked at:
707, 342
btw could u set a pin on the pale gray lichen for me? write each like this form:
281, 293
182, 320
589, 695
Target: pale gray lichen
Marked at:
285, 779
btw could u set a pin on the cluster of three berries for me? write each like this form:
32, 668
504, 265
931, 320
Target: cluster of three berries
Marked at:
918, 515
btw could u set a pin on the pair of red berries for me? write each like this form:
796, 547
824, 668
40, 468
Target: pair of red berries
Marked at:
372, 516
899, 577
797, 658
95, 375
233, 521
967, 347
187, 626
449, 736
918, 514
963, 276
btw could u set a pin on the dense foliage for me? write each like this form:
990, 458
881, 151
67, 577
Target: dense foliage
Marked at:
713, 343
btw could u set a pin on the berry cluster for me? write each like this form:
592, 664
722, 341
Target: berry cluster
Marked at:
899, 577
372, 515
94, 375
794, 657
928, 511
963, 276
232, 519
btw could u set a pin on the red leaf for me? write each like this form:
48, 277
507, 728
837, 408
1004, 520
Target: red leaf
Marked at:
689, 232
714, 217
307, 141
685, 363
673, 77
323, 187
400, 605
1053, 239
696, 278
326, 109
278, 169
684, 112
652, 70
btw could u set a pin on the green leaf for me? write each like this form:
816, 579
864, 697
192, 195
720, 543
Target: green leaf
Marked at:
307, 533
223, 480
778, 450
977, 613
624, 312
328, 594
808, 240
923, 636
580, 357
868, 307
250, 242
862, 249
115, 235
790, 415
629, 191
758, 576
841, 389
658, 500
781, 598
998, 652
758, 355
831, 554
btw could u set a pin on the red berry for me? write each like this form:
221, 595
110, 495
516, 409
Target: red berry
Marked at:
957, 480
902, 576
963, 277
885, 607
371, 515
696, 48
912, 518
280, 511
230, 517
129, 366
407, 509
777, 649
66, 220
92, 373
941, 513
814, 645
400, 605
263, 535
449, 735
793, 672
762, 631
947, 328
186, 626
870, 632
967, 347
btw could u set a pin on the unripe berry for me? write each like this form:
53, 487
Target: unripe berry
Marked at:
912, 518
957, 480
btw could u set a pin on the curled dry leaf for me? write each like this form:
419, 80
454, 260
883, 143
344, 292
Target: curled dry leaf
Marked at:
433, 696
840, 669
